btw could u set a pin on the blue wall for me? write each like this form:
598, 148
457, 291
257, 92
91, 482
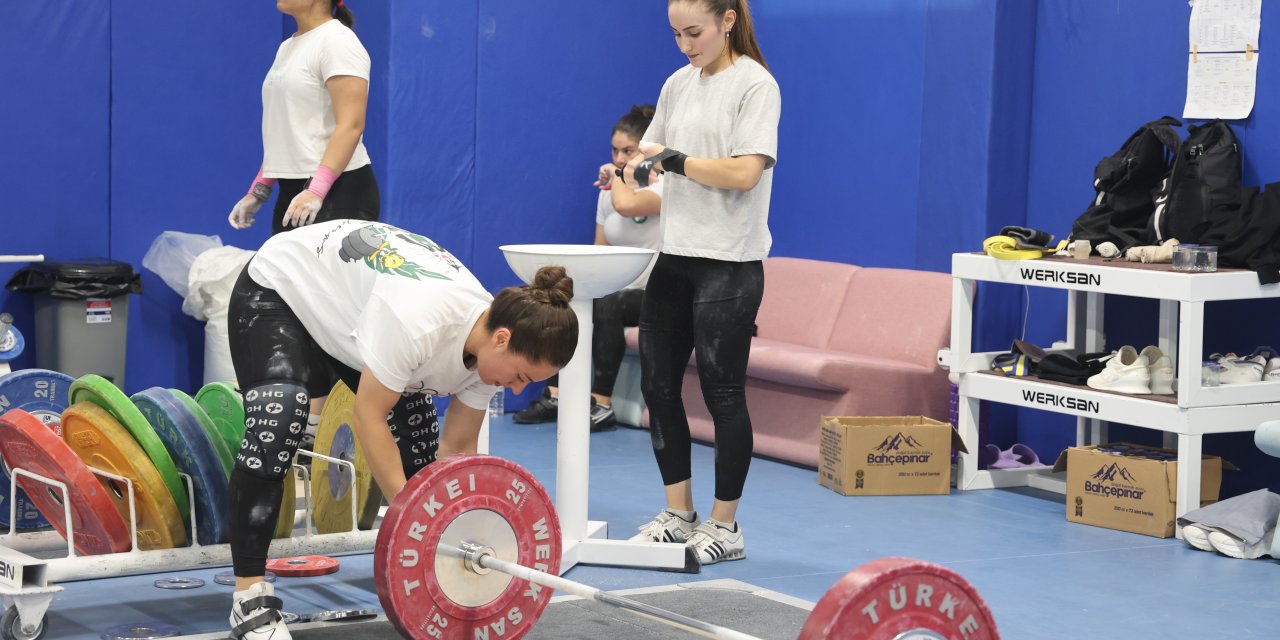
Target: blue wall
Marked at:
911, 129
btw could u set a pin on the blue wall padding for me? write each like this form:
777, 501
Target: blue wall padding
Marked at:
55, 113
547, 97
185, 143
430, 185
847, 180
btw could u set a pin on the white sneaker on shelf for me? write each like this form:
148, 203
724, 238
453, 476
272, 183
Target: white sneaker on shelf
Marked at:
1161, 368
1126, 372
1272, 371
666, 527
1246, 369
1229, 545
714, 543
255, 614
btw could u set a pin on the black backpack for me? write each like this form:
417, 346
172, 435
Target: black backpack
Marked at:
1202, 190
1123, 182
1249, 238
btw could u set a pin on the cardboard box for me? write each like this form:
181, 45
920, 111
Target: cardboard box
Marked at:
886, 456
1131, 487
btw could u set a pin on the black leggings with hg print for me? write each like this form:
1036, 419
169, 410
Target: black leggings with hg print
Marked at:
707, 307
280, 368
354, 195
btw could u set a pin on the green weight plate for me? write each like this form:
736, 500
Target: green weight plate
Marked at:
100, 391
210, 429
225, 406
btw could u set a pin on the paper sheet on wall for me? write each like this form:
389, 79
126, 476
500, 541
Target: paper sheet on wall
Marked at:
1222, 62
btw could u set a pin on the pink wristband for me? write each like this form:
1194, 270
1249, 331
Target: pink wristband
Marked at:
261, 187
322, 181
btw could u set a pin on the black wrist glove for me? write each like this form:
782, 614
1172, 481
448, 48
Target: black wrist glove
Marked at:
669, 159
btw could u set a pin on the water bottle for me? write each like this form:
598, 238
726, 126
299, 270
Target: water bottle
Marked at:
495, 404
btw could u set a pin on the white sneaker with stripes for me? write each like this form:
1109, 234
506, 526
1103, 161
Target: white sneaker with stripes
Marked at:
255, 614
714, 543
666, 527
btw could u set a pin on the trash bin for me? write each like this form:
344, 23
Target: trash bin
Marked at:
81, 314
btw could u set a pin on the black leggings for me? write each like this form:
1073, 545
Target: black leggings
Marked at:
610, 317
708, 307
279, 367
354, 195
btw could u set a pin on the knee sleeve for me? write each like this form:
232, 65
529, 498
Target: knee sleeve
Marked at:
416, 430
275, 417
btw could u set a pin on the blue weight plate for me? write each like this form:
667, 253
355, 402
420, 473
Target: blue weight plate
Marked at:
195, 455
43, 394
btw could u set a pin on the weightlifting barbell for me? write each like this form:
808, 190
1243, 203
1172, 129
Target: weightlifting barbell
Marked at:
470, 548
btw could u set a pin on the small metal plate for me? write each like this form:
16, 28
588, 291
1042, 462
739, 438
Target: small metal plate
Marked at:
481, 499
229, 577
345, 615
141, 631
179, 582
43, 394
303, 566
100, 391
104, 444
900, 599
98, 525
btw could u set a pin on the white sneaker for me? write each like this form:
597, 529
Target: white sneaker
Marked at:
255, 614
666, 527
1246, 369
1197, 535
1161, 368
714, 543
1126, 372
1229, 545
1272, 372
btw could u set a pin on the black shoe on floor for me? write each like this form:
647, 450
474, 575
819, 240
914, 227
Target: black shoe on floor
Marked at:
544, 409
602, 418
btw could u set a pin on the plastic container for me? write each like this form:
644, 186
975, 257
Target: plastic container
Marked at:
1198, 258
495, 404
81, 314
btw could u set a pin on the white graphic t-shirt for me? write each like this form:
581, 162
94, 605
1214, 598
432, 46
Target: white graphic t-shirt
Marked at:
374, 295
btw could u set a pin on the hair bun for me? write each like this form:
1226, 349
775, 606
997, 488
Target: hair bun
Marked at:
552, 285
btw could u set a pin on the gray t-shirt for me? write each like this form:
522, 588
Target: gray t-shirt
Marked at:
732, 113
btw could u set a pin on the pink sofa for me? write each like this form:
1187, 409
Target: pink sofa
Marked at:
836, 340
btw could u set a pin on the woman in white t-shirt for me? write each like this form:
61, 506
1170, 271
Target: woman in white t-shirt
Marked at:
715, 134
626, 216
314, 100
398, 319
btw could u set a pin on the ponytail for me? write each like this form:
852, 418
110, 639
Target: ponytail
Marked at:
742, 38
544, 328
343, 14
636, 122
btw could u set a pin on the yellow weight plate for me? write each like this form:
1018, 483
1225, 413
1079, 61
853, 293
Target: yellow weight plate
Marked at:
331, 484
99, 440
288, 504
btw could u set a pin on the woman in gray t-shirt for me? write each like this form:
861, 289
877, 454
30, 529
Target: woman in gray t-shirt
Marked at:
715, 134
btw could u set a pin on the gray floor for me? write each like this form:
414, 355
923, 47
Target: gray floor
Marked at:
1043, 577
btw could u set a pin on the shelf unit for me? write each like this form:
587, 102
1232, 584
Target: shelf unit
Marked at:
1184, 418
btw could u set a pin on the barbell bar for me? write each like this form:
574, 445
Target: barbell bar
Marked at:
470, 549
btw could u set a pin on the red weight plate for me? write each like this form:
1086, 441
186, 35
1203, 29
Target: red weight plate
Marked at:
900, 597
27, 443
303, 566
475, 498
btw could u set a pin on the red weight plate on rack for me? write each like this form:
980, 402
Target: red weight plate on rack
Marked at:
303, 566
900, 598
466, 498
26, 443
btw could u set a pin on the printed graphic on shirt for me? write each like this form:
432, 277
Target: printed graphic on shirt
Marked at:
381, 248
